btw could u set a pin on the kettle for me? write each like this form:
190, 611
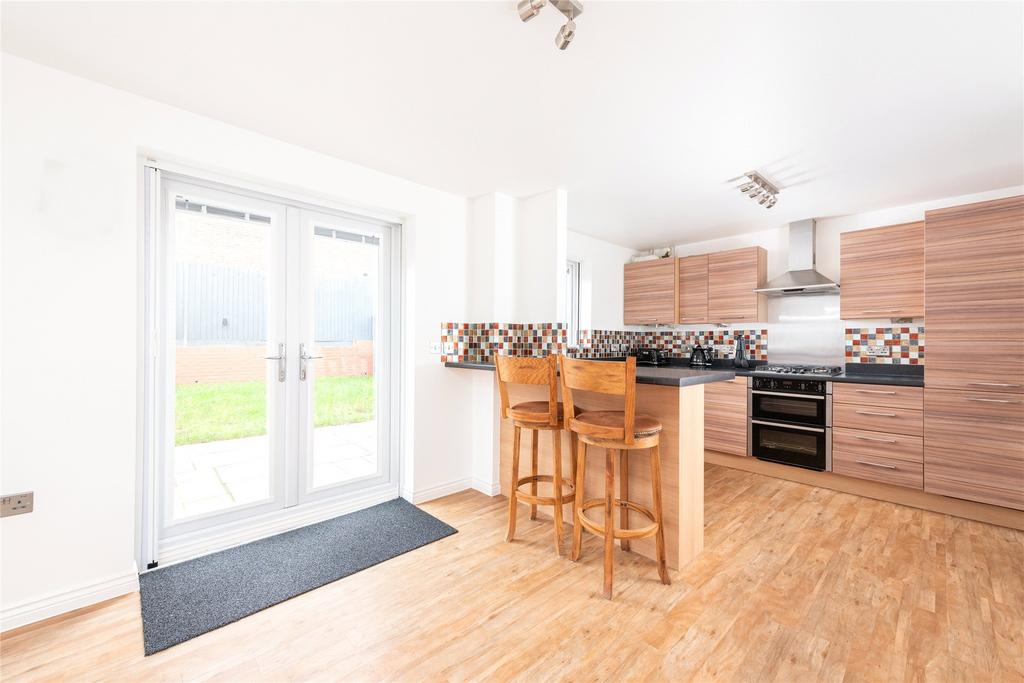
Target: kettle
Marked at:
699, 356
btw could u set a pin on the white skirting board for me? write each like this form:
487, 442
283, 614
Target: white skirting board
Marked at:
440, 491
66, 601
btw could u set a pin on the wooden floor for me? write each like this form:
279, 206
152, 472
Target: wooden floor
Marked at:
797, 583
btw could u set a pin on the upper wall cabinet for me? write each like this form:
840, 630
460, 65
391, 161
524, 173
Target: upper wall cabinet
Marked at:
650, 292
693, 289
882, 272
732, 278
974, 293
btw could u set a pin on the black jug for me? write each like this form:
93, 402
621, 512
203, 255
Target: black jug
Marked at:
740, 359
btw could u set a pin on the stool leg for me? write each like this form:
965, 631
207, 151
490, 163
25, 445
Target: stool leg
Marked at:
573, 446
533, 486
609, 521
577, 504
512, 486
556, 480
656, 495
624, 495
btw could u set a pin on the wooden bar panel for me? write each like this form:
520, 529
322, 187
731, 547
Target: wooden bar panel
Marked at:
877, 419
725, 416
974, 446
974, 284
650, 292
681, 412
732, 278
693, 289
882, 272
878, 395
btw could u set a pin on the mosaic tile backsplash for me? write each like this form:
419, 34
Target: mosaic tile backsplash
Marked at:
477, 342
892, 345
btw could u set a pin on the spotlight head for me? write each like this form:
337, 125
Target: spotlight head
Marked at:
528, 9
764, 199
771, 202
747, 187
565, 35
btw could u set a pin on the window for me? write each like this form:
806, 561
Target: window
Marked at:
572, 301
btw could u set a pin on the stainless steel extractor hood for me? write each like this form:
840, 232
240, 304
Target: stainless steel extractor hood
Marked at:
801, 278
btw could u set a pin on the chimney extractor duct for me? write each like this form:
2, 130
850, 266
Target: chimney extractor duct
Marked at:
801, 278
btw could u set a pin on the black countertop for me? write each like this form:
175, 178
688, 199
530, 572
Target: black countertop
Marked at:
680, 374
673, 376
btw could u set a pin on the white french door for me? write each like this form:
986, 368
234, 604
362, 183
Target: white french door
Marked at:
272, 374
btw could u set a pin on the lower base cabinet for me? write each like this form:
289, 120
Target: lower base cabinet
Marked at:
725, 416
886, 458
974, 446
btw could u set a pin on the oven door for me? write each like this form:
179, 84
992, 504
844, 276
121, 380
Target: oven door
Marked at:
802, 409
801, 446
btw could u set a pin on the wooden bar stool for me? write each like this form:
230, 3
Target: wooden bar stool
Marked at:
536, 416
612, 430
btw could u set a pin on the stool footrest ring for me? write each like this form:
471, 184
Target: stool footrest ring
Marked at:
598, 529
544, 500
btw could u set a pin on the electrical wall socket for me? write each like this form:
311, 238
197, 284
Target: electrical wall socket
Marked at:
435, 347
877, 350
16, 504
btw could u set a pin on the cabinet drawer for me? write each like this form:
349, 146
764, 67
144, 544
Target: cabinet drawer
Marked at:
878, 395
878, 468
877, 419
974, 446
732, 392
856, 442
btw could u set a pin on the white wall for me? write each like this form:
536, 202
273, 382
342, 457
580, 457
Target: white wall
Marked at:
70, 301
540, 254
600, 280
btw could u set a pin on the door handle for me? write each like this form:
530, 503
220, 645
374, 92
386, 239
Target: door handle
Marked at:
875, 391
991, 400
779, 393
282, 365
819, 430
868, 412
303, 358
991, 384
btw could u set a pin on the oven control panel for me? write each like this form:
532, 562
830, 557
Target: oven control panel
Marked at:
791, 385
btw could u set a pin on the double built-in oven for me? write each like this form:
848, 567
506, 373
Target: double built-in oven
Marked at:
791, 421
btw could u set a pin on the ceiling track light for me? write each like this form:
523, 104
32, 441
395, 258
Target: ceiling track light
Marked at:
571, 9
760, 190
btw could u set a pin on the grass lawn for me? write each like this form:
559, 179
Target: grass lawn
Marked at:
231, 410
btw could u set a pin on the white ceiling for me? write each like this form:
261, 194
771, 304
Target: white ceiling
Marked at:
646, 119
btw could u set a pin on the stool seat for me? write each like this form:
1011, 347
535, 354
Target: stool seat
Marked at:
534, 412
643, 425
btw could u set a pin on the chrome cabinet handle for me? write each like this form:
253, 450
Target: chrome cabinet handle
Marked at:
819, 430
779, 393
991, 384
876, 464
282, 365
991, 400
868, 412
876, 391
303, 358
880, 310
874, 438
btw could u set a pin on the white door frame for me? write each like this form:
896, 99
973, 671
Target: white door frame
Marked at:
153, 360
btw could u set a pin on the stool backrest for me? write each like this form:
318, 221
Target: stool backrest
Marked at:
617, 378
528, 370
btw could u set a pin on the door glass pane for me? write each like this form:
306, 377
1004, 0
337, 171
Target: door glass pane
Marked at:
345, 302
221, 446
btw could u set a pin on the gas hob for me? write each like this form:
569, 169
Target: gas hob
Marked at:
787, 369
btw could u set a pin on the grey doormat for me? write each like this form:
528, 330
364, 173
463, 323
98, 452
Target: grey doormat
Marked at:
188, 599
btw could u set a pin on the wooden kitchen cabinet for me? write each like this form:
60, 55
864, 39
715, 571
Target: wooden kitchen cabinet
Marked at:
732, 278
974, 446
650, 292
974, 294
725, 416
693, 289
876, 433
882, 272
